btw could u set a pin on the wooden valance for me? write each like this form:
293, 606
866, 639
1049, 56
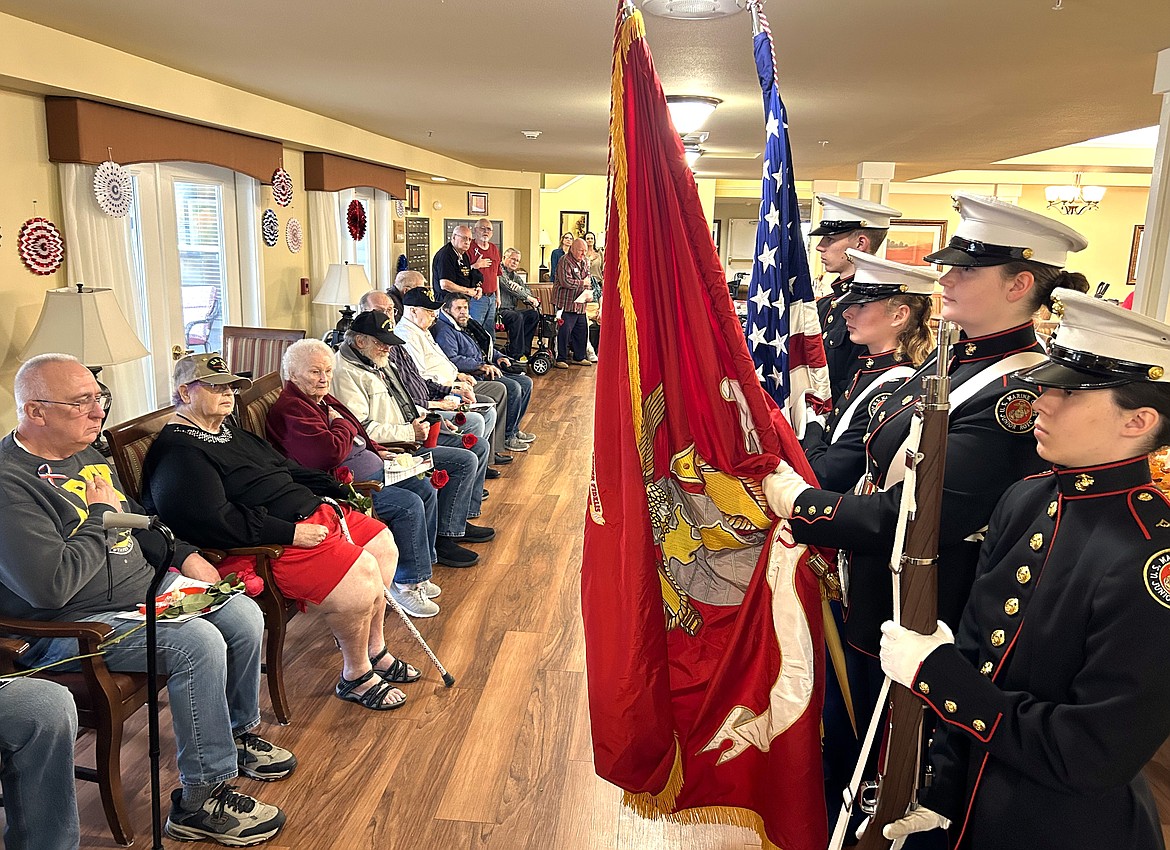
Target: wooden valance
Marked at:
88, 132
327, 172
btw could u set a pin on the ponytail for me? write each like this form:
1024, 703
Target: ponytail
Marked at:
915, 341
1047, 278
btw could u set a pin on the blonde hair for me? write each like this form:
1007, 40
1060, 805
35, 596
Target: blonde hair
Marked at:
915, 341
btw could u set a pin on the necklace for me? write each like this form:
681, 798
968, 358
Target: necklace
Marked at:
223, 435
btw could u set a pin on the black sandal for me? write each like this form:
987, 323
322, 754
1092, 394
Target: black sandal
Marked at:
399, 672
374, 698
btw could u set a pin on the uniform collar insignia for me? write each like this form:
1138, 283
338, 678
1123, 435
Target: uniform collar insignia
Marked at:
1111, 478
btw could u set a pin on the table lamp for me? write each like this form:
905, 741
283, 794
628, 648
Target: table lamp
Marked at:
344, 285
544, 243
87, 323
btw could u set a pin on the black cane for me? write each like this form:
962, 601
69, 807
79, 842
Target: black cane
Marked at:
121, 520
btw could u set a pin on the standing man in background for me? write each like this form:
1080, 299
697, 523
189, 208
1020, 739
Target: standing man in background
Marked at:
485, 257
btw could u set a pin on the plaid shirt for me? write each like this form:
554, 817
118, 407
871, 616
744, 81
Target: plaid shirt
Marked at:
421, 390
572, 280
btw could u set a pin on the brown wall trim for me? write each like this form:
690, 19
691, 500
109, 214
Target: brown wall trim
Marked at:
86, 131
327, 172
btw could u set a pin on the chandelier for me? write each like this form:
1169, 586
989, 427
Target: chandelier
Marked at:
1074, 199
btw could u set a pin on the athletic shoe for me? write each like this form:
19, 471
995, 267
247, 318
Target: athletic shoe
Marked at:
414, 600
478, 533
515, 444
592, 358
451, 554
259, 759
226, 817
432, 590
526, 437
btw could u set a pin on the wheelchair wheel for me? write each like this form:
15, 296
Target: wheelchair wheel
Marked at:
540, 363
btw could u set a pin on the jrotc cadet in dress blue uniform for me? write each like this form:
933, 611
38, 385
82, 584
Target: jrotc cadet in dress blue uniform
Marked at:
1053, 695
845, 223
886, 311
1005, 263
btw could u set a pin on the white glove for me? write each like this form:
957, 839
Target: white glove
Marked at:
781, 489
921, 819
903, 650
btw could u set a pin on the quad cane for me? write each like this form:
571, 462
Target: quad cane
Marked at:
121, 520
448, 679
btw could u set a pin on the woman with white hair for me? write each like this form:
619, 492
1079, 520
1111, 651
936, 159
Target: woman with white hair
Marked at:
223, 487
316, 430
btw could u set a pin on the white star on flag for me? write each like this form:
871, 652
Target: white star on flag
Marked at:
760, 299
773, 126
757, 337
767, 258
773, 218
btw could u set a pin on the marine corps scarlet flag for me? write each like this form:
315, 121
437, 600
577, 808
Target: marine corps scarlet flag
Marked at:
702, 617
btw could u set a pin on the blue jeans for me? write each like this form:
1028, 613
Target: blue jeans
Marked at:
213, 668
519, 391
483, 456
479, 422
38, 724
483, 310
455, 499
573, 334
413, 519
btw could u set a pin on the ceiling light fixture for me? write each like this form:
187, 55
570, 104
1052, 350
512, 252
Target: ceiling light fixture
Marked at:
692, 153
531, 134
689, 111
692, 10
439, 179
1074, 199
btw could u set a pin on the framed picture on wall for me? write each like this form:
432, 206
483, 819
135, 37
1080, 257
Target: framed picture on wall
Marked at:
399, 230
1135, 249
575, 222
911, 239
412, 198
477, 203
715, 234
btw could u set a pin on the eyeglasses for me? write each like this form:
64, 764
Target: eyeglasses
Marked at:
85, 405
218, 389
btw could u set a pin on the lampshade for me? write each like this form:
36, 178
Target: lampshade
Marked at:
544, 240
689, 111
87, 323
692, 153
345, 283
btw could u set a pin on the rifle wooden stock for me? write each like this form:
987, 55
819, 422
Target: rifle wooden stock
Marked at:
903, 745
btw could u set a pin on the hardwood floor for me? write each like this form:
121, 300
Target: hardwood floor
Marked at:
502, 760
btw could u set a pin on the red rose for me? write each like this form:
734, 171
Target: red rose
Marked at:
253, 584
460, 418
343, 474
439, 479
469, 441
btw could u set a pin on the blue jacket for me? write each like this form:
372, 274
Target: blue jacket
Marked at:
457, 344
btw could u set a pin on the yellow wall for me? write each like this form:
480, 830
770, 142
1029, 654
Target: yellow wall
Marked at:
284, 306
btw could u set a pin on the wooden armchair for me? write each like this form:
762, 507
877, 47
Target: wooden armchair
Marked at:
129, 443
256, 351
104, 698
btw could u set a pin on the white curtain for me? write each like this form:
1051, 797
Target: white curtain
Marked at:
98, 253
324, 249
383, 258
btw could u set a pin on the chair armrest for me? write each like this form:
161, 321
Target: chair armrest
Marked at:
91, 630
216, 556
405, 445
367, 487
10, 651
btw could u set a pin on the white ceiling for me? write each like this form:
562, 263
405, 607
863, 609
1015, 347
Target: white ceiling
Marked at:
934, 85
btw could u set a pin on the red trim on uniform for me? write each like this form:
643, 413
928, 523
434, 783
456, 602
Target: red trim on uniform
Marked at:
999, 355
831, 515
1152, 490
971, 800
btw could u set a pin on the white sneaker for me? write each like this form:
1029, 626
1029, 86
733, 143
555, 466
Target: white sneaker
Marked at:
413, 599
431, 589
515, 444
525, 437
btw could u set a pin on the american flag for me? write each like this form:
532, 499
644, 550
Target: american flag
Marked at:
783, 332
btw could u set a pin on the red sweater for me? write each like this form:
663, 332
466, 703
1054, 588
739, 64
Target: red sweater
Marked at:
300, 429
491, 274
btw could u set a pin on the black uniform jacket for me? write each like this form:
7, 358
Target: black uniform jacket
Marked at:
1057, 690
989, 447
840, 463
841, 353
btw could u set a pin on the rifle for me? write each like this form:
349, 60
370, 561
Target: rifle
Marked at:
915, 602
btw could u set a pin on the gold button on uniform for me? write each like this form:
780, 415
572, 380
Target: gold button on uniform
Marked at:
986, 668
978, 725
925, 688
829, 321
950, 706
1036, 542
796, 510
869, 362
812, 510
1144, 497
1023, 574
908, 399
1052, 508
827, 511
1011, 607
997, 637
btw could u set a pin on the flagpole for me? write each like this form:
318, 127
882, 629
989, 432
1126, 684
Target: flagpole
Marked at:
753, 6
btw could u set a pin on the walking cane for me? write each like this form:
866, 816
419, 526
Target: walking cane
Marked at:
448, 679
121, 520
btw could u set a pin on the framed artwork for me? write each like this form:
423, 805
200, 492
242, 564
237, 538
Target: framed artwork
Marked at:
477, 203
715, 234
575, 222
399, 230
449, 225
911, 239
1135, 249
412, 198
